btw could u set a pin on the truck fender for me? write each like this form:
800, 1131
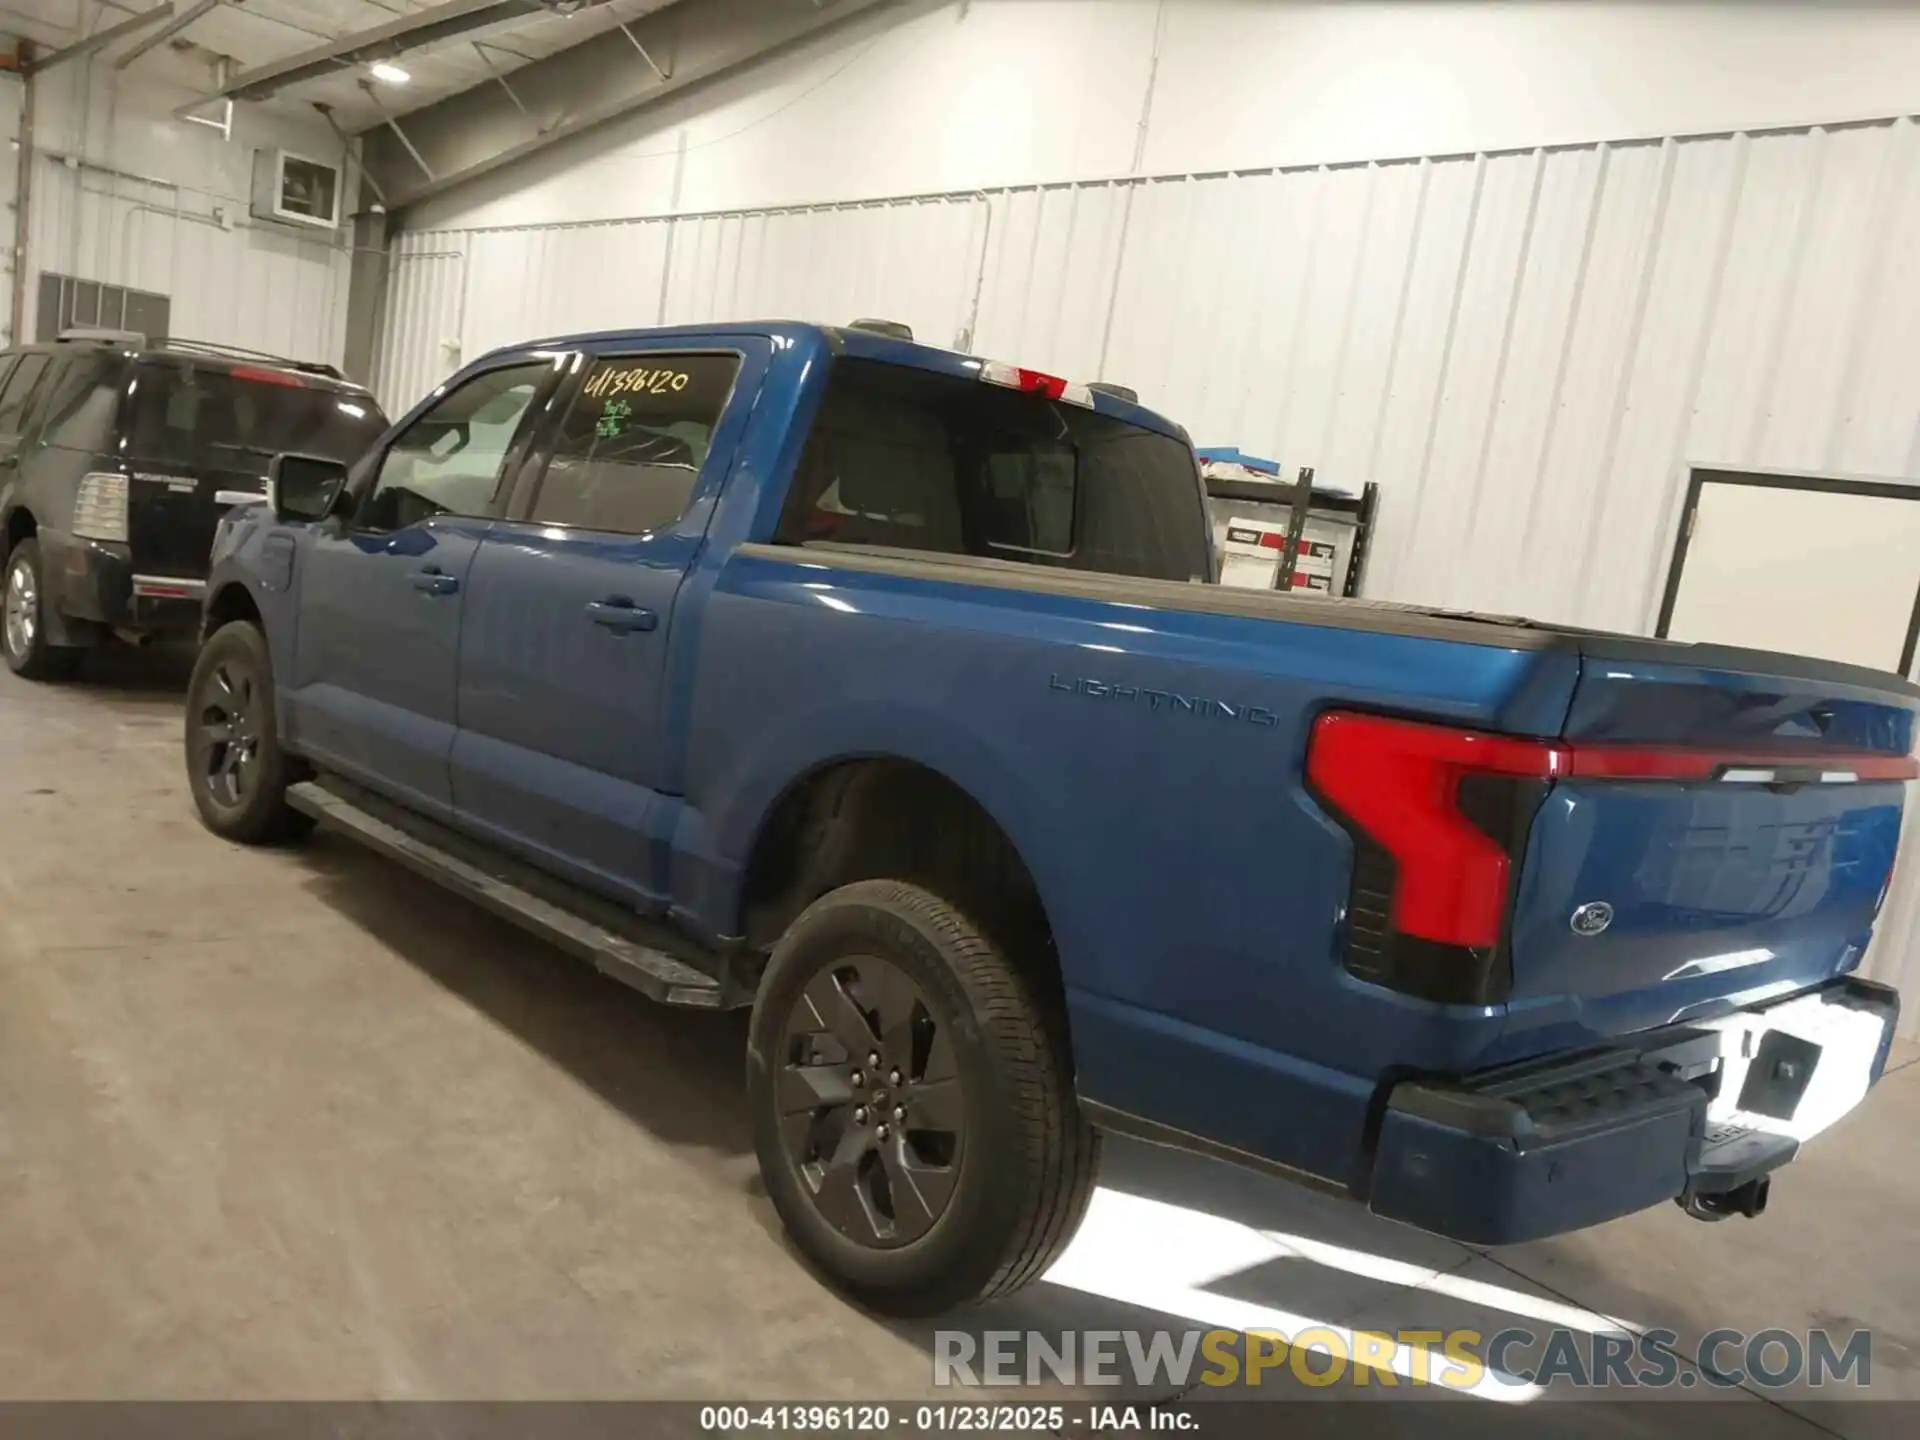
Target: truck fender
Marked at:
739, 806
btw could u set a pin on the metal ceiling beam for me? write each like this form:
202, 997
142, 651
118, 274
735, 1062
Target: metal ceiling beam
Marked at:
100, 39
617, 72
166, 32
432, 26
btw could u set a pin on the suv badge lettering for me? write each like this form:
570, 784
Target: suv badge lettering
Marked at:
1168, 701
1591, 918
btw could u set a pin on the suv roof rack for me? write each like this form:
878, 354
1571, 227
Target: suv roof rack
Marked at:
236, 352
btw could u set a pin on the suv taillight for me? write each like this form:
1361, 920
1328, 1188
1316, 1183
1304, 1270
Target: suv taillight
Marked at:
100, 507
1439, 821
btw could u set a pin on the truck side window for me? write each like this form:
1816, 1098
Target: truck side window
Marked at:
448, 461
630, 449
19, 389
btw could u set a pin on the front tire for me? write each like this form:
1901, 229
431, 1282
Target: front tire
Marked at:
235, 766
23, 630
913, 1105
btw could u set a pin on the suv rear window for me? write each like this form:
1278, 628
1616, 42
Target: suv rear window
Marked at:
908, 459
187, 413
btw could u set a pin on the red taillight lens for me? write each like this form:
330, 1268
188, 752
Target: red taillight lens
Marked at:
1399, 783
260, 375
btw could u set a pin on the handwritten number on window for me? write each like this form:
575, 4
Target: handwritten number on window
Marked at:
608, 383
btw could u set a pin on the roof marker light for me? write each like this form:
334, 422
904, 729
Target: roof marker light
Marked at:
1035, 382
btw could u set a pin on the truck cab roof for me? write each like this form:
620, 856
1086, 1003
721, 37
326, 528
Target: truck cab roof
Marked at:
849, 341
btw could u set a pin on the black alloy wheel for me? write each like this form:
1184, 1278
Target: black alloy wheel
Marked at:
871, 1113
236, 768
912, 1102
226, 735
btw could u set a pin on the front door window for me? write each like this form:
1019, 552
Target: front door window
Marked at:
449, 461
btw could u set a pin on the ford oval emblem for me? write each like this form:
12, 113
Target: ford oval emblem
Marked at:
1591, 918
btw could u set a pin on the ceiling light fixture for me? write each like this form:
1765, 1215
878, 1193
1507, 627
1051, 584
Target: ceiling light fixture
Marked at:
388, 73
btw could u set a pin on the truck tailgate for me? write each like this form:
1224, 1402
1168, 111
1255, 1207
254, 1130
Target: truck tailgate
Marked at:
1724, 828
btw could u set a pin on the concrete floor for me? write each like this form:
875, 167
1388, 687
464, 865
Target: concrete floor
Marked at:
296, 1125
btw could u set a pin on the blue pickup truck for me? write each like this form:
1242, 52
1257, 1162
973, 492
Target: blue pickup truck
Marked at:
885, 690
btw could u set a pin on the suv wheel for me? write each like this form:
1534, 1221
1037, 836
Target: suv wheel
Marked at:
912, 1104
235, 766
23, 635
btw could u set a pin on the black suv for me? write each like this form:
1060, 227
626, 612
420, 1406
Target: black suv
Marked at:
118, 458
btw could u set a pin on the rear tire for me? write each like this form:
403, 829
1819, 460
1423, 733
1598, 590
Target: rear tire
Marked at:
23, 629
958, 1168
236, 768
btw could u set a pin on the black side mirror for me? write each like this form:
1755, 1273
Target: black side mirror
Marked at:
305, 488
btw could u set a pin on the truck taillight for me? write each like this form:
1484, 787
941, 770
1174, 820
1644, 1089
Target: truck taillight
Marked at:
100, 507
1439, 819
1400, 783
1035, 382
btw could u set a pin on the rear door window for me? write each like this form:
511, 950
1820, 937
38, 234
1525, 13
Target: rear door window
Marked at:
189, 413
81, 406
629, 452
903, 458
17, 391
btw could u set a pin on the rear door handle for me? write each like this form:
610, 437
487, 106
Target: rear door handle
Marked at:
433, 580
620, 615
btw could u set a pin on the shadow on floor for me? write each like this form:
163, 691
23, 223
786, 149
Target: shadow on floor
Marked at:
678, 1074
1264, 1254
150, 676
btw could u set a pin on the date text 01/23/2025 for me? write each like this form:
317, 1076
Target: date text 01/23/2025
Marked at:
936, 1418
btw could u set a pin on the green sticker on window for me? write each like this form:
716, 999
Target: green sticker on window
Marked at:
613, 420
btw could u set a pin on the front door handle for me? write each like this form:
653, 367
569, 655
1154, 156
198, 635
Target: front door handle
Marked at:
619, 614
434, 580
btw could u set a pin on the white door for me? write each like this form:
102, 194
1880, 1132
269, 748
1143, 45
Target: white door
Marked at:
1826, 568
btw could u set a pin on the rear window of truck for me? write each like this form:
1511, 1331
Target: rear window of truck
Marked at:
908, 459
186, 413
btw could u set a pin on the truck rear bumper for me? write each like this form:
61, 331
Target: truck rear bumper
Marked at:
1546, 1146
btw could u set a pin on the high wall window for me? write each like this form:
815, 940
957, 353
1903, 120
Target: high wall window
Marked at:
67, 303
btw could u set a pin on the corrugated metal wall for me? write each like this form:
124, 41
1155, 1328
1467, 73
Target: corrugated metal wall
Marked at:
1525, 350
231, 280
456, 294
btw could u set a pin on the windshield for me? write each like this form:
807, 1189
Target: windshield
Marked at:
188, 413
909, 459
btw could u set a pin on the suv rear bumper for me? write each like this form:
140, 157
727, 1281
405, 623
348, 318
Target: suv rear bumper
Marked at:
92, 580
1547, 1146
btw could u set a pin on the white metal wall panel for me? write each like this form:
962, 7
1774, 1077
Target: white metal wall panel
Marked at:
1526, 350
426, 290
453, 295
231, 280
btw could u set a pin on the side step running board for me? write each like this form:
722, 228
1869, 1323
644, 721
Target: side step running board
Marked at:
651, 971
